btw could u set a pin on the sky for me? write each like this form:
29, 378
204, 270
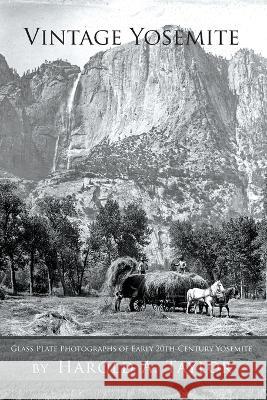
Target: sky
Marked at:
248, 16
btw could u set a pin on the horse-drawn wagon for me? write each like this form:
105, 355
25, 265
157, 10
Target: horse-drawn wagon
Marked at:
164, 290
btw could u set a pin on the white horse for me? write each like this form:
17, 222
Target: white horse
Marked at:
196, 302
196, 294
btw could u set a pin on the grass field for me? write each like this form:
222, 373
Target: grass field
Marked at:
26, 315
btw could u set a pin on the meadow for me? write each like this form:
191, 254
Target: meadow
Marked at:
30, 315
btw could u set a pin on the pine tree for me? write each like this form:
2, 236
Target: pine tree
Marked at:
241, 252
12, 209
35, 239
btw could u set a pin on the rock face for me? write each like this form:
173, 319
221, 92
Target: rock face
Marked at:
248, 80
31, 116
180, 131
132, 89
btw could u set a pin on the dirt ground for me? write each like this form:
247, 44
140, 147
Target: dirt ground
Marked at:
24, 315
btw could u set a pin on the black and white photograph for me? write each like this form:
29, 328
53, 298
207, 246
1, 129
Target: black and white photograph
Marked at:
133, 168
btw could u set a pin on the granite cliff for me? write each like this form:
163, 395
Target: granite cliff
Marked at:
31, 116
180, 131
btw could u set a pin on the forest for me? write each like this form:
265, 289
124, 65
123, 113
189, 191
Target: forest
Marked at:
233, 251
44, 249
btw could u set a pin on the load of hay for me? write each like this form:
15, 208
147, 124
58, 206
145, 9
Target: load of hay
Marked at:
118, 271
170, 284
198, 281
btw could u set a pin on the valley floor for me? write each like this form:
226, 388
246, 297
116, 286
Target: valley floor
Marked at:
26, 315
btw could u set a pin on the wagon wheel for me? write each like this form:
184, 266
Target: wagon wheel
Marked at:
137, 305
157, 306
166, 306
172, 306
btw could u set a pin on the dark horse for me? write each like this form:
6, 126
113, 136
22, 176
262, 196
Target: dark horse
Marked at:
133, 288
223, 300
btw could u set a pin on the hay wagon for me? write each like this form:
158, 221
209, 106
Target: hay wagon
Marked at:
166, 291
160, 304
163, 290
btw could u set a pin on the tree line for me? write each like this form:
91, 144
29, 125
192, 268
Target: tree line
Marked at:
44, 246
234, 250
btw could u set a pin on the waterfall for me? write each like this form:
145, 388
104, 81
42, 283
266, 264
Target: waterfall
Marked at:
55, 155
69, 111
72, 94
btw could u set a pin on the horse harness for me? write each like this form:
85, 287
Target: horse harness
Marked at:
220, 299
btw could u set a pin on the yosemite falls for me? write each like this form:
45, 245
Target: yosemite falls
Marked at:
69, 124
69, 110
